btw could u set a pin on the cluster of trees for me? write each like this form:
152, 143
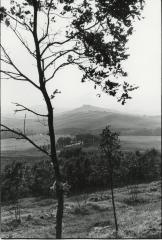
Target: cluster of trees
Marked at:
89, 170
88, 139
22, 180
84, 171
63, 141
82, 139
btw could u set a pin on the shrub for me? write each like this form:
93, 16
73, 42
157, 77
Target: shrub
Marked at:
83, 171
43, 178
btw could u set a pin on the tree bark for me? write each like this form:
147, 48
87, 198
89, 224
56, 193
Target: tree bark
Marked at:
53, 154
59, 187
59, 214
114, 208
112, 196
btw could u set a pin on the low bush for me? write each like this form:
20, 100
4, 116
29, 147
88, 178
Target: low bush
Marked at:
134, 202
83, 171
79, 210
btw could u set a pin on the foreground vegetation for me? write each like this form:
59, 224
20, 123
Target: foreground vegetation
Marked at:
29, 196
83, 170
89, 215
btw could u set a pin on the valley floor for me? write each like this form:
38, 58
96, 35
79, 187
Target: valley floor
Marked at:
89, 215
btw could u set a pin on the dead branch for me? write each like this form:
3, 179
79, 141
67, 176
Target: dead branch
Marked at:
48, 23
62, 53
59, 67
13, 75
55, 43
23, 136
24, 123
22, 41
10, 62
28, 109
24, 24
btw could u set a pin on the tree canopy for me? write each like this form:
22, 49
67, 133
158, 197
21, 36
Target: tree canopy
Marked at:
91, 34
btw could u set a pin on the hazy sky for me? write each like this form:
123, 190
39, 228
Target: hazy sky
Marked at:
143, 66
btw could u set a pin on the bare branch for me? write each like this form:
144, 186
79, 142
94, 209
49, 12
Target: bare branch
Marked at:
10, 62
27, 109
59, 67
67, 40
55, 43
24, 24
22, 41
13, 75
5, 61
24, 136
55, 54
73, 62
48, 23
37, 48
24, 123
61, 16
61, 53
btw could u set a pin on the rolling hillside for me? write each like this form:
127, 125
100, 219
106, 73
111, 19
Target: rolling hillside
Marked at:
93, 119
89, 216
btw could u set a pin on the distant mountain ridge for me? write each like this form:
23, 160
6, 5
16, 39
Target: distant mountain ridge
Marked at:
92, 119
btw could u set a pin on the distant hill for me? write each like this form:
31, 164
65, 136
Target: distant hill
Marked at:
93, 119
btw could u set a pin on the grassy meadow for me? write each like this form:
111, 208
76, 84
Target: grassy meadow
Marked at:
140, 142
127, 142
20, 150
89, 215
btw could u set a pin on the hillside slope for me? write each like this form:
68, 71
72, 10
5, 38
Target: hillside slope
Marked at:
93, 119
89, 216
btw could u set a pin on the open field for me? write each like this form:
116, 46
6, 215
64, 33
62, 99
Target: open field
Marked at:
30, 156
89, 216
20, 150
12, 144
140, 142
127, 142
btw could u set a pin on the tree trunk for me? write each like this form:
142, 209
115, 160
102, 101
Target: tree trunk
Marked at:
59, 214
113, 201
54, 160
59, 187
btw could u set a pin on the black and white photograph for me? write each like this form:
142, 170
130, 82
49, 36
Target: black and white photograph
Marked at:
80, 119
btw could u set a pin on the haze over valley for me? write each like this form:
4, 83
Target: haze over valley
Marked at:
89, 119
136, 131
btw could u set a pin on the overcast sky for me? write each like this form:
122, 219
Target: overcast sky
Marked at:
143, 66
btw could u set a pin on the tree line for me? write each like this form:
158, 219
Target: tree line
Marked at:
83, 171
80, 139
